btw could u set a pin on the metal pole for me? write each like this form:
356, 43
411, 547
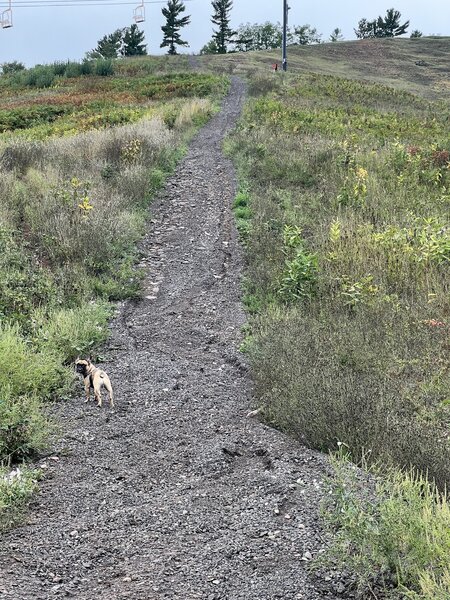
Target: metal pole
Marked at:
285, 20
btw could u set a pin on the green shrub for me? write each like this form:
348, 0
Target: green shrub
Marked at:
104, 67
24, 429
72, 332
24, 372
25, 285
42, 77
16, 488
300, 273
8, 68
73, 69
59, 68
86, 67
400, 536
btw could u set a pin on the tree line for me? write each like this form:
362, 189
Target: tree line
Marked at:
130, 41
266, 36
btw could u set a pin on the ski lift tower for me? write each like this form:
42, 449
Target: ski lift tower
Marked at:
139, 13
6, 17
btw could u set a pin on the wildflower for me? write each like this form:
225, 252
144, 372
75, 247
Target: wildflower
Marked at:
434, 323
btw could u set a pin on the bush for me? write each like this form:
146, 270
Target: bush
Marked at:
72, 332
40, 77
24, 429
8, 68
104, 67
86, 67
400, 537
25, 285
16, 488
24, 372
73, 69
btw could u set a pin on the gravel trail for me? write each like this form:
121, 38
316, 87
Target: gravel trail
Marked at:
176, 494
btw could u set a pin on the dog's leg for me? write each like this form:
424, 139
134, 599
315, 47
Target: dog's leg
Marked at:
110, 392
87, 389
98, 394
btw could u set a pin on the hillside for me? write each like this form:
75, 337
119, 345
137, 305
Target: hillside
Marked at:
144, 204
392, 62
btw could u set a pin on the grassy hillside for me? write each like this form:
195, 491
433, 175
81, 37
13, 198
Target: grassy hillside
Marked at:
416, 65
344, 206
344, 210
83, 147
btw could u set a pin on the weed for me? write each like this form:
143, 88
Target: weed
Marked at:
16, 488
398, 538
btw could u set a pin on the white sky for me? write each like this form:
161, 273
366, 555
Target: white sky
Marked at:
46, 34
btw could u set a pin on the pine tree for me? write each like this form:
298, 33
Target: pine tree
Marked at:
221, 18
381, 27
133, 39
389, 26
108, 47
173, 25
336, 35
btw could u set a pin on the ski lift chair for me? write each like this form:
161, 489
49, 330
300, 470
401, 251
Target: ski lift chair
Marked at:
6, 18
139, 13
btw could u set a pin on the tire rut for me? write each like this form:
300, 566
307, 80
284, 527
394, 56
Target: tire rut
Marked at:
176, 494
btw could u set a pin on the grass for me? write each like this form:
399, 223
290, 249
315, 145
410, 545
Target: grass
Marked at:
390, 62
83, 102
344, 212
80, 161
397, 542
16, 488
353, 294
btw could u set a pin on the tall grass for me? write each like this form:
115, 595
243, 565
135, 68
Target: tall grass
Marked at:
348, 249
72, 210
16, 488
397, 540
44, 76
344, 211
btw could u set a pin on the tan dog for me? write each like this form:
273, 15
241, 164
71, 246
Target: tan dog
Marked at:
94, 378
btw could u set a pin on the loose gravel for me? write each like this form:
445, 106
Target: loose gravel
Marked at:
176, 493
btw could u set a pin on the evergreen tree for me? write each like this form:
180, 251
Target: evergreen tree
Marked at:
221, 18
132, 43
304, 35
416, 34
173, 25
381, 27
366, 29
389, 26
336, 35
108, 47
209, 48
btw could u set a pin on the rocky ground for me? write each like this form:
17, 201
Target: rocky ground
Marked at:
176, 493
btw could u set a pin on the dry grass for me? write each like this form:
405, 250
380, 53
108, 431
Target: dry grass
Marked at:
72, 211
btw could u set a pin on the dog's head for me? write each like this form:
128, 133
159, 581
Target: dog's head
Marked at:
82, 366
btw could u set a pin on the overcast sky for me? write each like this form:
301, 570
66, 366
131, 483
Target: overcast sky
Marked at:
46, 34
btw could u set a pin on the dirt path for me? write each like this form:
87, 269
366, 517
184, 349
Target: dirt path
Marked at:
183, 497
